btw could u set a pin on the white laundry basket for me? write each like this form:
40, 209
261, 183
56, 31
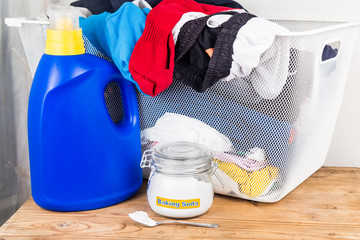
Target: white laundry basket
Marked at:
289, 136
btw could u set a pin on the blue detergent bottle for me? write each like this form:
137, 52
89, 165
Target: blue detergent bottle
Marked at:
83, 126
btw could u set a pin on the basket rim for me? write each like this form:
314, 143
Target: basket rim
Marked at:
335, 25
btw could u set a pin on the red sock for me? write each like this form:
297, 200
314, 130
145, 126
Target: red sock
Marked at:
152, 60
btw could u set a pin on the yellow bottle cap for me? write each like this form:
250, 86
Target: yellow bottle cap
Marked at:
64, 37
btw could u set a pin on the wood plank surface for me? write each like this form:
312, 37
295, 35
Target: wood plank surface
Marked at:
325, 206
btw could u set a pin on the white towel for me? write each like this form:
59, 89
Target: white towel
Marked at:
258, 55
173, 127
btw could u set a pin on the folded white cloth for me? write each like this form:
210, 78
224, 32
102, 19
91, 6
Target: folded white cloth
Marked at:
173, 127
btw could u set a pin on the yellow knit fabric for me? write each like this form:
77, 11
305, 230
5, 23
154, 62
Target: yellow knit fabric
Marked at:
252, 184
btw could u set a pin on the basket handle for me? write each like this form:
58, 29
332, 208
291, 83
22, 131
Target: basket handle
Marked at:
330, 51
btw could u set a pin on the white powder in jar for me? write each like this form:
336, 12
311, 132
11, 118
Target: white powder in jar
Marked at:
180, 196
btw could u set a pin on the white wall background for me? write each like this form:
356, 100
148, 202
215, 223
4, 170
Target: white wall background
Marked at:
345, 145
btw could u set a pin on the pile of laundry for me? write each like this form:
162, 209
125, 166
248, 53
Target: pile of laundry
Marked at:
246, 118
248, 174
195, 42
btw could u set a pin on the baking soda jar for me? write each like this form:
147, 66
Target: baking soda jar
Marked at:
179, 185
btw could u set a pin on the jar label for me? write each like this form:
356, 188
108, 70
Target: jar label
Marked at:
178, 204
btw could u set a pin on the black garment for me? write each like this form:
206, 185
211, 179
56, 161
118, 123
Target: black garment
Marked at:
197, 55
100, 6
95, 6
190, 48
224, 3
116, 4
195, 62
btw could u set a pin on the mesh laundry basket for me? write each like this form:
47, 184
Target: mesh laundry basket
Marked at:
264, 144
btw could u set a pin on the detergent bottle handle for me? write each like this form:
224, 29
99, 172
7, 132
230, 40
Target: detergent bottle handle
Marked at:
130, 118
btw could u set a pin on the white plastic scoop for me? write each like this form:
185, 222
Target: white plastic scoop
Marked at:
144, 219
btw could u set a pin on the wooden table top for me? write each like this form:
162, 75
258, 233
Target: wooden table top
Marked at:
325, 206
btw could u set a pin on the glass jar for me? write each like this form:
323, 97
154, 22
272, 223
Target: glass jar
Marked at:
179, 185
